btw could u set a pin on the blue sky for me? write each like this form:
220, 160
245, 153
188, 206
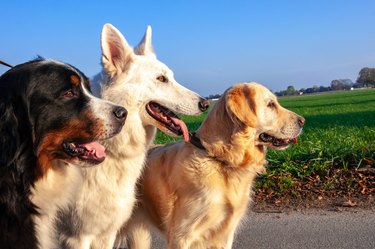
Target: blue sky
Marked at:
210, 45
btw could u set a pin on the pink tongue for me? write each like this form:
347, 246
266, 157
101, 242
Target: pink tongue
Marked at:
183, 126
99, 149
294, 140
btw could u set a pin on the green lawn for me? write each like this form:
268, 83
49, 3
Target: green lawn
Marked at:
339, 132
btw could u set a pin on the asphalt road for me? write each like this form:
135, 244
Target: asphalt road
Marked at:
304, 230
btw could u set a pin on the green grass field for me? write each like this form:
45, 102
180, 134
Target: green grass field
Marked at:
339, 133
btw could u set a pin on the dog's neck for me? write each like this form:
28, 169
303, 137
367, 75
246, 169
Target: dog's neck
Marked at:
150, 134
194, 140
229, 142
133, 139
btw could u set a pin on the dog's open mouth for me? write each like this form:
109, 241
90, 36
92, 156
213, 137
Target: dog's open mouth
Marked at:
169, 120
92, 152
276, 142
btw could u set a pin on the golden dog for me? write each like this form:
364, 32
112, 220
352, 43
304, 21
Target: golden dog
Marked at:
196, 193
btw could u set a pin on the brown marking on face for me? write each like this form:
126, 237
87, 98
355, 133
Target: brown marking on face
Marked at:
249, 97
241, 101
50, 148
43, 164
75, 80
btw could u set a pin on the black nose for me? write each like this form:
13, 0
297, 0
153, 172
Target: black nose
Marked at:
301, 121
204, 104
120, 113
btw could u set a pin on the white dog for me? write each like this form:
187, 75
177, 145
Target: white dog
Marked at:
146, 87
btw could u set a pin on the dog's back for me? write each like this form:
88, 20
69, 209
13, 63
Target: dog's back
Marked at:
17, 226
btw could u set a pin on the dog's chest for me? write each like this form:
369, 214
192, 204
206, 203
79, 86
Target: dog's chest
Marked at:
114, 195
55, 190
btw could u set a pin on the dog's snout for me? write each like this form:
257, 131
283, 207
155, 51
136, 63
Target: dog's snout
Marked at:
301, 121
120, 113
204, 104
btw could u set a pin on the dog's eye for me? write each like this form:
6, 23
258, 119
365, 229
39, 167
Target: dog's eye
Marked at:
271, 104
162, 78
69, 94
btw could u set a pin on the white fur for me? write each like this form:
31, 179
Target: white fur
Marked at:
54, 191
129, 79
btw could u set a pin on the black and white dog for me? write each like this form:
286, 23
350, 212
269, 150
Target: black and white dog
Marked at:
48, 119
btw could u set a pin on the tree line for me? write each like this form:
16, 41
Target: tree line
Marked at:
366, 78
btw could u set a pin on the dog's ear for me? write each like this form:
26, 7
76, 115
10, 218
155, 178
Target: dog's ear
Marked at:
116, 52
241, 105
145, 46
9, 137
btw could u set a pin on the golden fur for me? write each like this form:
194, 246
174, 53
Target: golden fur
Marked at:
197, 197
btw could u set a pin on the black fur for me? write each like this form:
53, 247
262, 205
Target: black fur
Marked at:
30, 106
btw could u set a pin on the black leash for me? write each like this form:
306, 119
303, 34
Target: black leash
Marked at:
5, 64
194, 140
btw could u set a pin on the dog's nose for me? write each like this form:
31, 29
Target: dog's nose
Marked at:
204, 104
120, 113
301, 121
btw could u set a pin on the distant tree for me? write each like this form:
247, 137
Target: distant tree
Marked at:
290, 90
336, 85
341, 84
358, 85
324, 89
280, 93
367, 76
310, 90
214, 96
